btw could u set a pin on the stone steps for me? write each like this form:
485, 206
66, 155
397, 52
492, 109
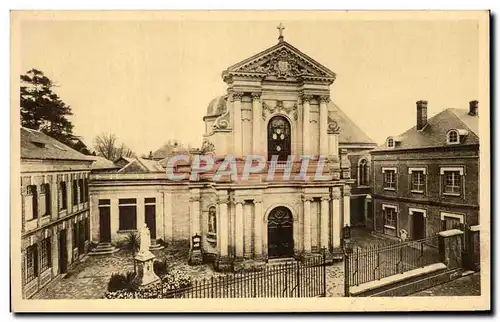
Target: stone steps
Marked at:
103, 249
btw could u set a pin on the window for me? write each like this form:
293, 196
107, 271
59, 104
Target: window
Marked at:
389, 179
418, 181
390, 217
63, 196
390, 142
82, 191
128, 214
452, 182
75, 192
363, 174
46, 190
31, 191
212, 220
46, 257
31, 263
452, 221
452, 137
86, 189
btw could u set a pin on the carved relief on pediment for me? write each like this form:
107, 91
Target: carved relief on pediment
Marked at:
282, 64
279, 107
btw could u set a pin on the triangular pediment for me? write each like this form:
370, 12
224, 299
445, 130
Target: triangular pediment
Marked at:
282, 61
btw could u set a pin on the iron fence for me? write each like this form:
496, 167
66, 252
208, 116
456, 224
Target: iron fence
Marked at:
289, 279
379, 261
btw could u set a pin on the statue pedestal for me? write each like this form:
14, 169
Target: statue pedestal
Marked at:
145, 273
195, 257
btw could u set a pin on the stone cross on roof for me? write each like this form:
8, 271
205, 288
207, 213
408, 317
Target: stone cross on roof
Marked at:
280, 28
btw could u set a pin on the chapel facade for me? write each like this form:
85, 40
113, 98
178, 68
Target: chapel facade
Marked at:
277, 103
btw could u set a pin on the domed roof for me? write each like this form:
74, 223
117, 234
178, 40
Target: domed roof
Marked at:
217, 106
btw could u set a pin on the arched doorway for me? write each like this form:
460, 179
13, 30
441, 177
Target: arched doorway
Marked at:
280, 233
279, 138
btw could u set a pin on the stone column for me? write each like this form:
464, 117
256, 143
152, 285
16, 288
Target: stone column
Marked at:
367, 205
247, 213
237, 126
114, 218
306, 135
94, 219
194, 214
238, 227
141, 218
195, 257
160, 233
54, 205
222, 262
325, 200
167, 216
307, 224
257, 246
256, 119
347, 205
223, 229
55, 251
336, 212
323, 125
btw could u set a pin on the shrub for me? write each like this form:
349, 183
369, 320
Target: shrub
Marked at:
119, 282
132, 242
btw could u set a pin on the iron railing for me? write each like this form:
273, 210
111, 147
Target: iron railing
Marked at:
379, 261
290, 279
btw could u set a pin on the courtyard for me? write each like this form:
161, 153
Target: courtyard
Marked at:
89, 278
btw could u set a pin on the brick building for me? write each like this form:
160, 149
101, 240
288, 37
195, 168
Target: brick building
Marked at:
55, 229
427, 179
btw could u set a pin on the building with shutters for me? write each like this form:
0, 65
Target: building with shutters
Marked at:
55, 230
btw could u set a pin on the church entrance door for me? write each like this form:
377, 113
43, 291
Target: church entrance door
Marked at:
280, 233
279, 138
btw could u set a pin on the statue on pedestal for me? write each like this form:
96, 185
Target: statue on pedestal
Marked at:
144, 261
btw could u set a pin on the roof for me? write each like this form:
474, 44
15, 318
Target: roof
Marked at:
281, 51
103, 163
434, 133
38, 145
169, 149
349, 132
217, 106
140, 165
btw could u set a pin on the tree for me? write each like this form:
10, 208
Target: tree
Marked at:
107, 145
42, 109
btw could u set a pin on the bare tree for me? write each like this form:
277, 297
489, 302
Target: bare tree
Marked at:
107, 145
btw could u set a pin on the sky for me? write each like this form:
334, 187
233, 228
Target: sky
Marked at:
149, 81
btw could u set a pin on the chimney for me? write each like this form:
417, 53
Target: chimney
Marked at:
150, 155
473, 105
421, 114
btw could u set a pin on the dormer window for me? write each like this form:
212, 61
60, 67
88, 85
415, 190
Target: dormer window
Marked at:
455, 136
452, 137
390, 143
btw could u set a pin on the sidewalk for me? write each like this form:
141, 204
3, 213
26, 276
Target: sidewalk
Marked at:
465, 286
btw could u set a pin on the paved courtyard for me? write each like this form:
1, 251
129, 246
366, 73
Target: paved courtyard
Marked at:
89, 278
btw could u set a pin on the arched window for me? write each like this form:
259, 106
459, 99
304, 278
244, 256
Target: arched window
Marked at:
363, 173
212, 220
452, 137
279, 138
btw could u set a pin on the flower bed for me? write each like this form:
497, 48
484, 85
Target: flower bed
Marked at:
171, 283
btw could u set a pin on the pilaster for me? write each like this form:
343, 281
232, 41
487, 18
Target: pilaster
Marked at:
306, 135
237, 125
323, 124
336, 213
256, 119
